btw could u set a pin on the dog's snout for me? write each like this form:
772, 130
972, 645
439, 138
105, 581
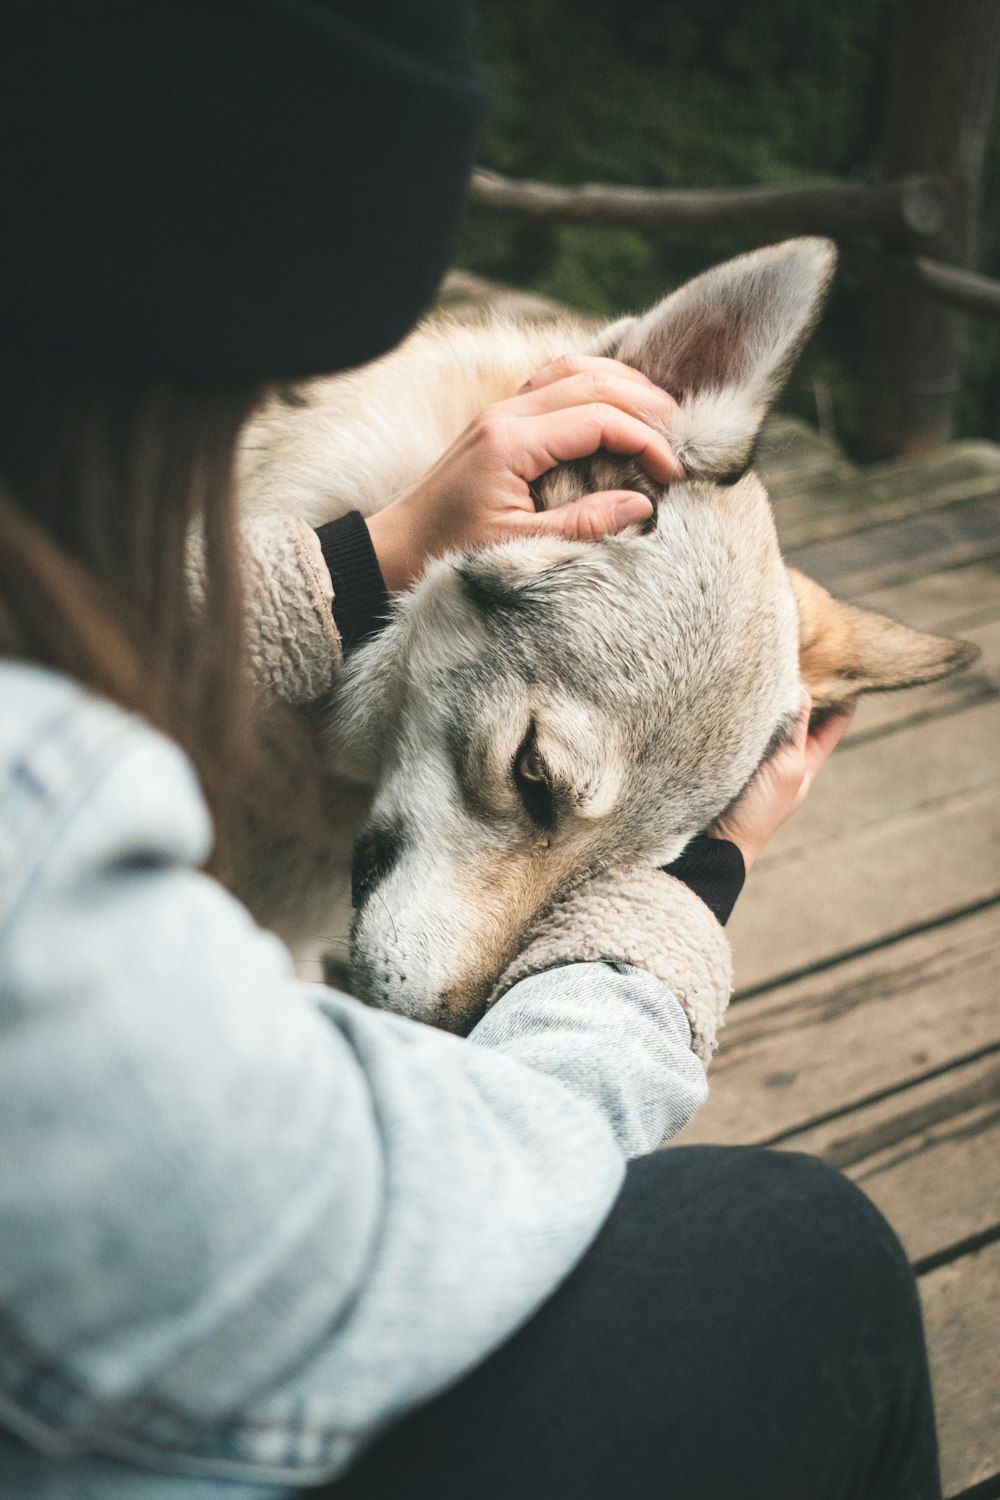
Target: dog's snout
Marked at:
377, 850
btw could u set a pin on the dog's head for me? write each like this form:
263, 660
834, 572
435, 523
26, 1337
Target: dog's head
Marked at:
541, 709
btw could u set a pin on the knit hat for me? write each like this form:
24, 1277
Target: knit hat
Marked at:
230, 188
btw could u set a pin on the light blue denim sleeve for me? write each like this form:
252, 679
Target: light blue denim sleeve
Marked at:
246, 1221
614, 1035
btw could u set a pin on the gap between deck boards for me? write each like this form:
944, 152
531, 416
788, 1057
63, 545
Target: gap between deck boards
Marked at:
863, 950
896, 552
889, 989
918, 1126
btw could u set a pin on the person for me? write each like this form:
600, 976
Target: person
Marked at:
257, 1238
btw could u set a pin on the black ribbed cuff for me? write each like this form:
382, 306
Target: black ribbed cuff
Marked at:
360, 597
714, 870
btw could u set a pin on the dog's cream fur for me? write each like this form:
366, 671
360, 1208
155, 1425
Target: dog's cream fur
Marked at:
542, 710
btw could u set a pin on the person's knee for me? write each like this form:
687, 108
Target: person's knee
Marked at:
823, 1247
790, 1215
823, 1212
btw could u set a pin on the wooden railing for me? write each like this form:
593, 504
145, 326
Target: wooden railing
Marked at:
914, 235
907, 212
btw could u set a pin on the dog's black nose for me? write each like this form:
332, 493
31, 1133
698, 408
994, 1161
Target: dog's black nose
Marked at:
376, 852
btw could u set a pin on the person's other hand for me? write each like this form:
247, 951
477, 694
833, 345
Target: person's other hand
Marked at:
782, 782
479, 491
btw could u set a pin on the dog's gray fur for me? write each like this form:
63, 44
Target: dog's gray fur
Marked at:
540, 710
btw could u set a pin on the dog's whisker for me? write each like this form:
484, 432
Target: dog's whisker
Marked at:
385, 908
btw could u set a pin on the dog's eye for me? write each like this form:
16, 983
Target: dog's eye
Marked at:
531, 778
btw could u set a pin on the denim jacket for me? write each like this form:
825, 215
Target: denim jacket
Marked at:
246, 1221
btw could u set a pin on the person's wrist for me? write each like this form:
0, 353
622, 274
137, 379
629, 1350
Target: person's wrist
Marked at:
713, 868
359, 599
392, 535
748, 847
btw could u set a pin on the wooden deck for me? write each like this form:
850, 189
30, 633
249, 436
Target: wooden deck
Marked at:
866, 1026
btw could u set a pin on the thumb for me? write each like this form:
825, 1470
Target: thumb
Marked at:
594, 516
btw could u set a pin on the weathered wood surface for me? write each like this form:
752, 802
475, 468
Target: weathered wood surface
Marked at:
889, 1066
947, 601
820, 1047
894, 552
944, 758
927, 1153
961, 1304
816, 500
867, 942
876, 881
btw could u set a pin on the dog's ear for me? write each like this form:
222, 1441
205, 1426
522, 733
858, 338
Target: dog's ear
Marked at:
723, 345
364, 711
844, 651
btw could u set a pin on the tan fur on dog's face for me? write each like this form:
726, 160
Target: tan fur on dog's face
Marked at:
541, 709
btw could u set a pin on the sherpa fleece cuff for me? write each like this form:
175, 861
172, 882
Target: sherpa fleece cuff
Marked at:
714, 870
360, 597
637, 915
293, 650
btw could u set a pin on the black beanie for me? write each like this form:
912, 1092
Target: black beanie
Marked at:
230, 188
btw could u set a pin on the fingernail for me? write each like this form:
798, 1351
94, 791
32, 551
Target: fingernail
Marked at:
632, 510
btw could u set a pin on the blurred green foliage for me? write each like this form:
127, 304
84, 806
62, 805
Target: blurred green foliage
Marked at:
661, 93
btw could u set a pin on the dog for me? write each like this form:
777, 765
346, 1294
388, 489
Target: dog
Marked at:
543, 709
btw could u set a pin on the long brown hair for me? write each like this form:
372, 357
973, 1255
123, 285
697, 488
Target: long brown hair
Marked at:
103, 470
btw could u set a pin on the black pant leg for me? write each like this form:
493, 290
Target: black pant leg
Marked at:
744, 1327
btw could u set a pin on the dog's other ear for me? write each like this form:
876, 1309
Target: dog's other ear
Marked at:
844, 651
723, 345
364, 712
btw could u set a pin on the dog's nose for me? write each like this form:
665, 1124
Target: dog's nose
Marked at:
376, 852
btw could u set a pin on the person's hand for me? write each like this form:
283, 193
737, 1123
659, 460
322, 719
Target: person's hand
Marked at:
782, 782
479, 491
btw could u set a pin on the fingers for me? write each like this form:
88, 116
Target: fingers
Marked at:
579, 431
789, 760
827, 736
568, 366
594, 516
819, 744
801, 732
784, 773
580, 381
605, 381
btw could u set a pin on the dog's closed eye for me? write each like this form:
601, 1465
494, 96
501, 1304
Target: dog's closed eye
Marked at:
533, 782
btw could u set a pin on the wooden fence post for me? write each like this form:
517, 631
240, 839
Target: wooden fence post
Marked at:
941, 92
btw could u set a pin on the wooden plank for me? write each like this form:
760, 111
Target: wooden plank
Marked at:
791, 458
862, 785
874, 882
961, 1304
844, 1038
811, 509
882, 713
949, 601
927, 1155
901, 550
